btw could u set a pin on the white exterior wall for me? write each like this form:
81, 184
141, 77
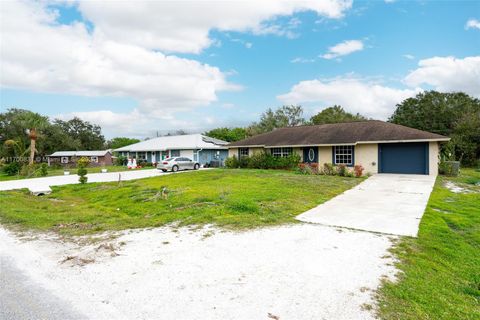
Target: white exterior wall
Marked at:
366, 155
324, 155
433, 158
232, 152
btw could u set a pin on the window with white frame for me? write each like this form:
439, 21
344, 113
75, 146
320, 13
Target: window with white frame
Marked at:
175, 153
142, 156
242, 152
64, 160
281, 152
94, 159
343, 155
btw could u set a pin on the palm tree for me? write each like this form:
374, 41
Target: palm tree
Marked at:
18, 147
33, 122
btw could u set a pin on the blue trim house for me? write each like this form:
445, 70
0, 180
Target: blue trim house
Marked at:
197, 147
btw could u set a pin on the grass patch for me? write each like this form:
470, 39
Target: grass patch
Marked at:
59, 172
440, 276
229, 198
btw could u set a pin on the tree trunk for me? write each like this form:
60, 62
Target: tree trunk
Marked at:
32, 151
33, 137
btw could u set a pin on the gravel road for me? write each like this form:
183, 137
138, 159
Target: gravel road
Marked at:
22, 298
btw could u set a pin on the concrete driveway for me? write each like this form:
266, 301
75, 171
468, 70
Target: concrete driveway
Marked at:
42, 185
385, 203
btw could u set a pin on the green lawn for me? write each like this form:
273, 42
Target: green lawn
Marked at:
59, 172
441, 268
228, 198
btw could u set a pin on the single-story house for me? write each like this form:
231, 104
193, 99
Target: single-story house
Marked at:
380, 147
197, 147
69, 158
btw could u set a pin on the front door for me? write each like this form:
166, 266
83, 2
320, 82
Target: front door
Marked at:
310, 154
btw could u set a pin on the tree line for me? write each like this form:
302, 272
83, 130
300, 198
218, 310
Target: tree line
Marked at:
24, 133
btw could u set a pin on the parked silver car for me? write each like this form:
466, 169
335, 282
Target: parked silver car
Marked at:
177, 163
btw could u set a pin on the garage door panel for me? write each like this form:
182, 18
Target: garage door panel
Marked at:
409, 158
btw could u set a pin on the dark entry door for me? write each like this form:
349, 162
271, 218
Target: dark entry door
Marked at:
310, 154
403, 158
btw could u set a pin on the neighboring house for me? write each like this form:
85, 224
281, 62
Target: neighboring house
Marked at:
69, 158
197, 147
380, 147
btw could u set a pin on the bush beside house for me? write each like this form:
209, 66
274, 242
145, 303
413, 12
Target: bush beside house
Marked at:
263, 161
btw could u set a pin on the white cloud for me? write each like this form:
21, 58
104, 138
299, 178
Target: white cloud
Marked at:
409, 56
378, 101
135, 123
302, 60
355, 95
472, 24
185, 26
448, 74
40, 55
343, 49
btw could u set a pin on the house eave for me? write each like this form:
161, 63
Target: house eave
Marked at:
341, 144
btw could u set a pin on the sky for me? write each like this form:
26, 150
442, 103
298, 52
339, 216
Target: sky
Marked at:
137, 68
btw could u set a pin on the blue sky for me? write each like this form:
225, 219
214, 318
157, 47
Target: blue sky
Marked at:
134, 72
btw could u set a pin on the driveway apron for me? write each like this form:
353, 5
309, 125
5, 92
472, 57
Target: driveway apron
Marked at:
385, 203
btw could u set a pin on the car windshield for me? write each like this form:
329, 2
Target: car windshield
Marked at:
168, 159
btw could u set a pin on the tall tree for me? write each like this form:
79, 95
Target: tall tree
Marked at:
11, 127
33, 123
87, 134
455, 114
285, 116
119, 142
335, 114
227, 134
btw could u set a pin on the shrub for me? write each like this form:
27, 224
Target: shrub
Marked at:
259, 160
28, 170
121, 161
342, 170
329, 169
449, 168
358, 169
231, 162
349, 174
290, 162
11, 168
243, 162
304, 168
43, 170
82, 169
264, 160
308, 168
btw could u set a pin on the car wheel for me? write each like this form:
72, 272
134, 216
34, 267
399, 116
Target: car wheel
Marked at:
196, 166
174, 168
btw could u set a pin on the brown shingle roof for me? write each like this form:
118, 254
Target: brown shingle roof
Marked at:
338, 133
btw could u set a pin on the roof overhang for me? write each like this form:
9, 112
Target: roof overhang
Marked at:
166, 149
341, 144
